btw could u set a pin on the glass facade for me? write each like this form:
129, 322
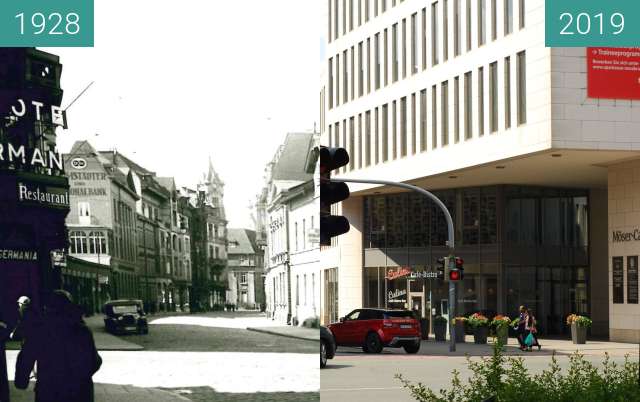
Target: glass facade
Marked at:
521, 245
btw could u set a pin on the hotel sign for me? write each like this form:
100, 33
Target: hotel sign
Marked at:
21, 156
43, 195
620, 236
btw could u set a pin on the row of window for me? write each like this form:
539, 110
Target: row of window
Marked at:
124, 227
301, 235
304, 291
363, 9
93, 243
376, 131
347, 69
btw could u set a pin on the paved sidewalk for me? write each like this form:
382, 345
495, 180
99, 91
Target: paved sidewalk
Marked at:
110, 393
307, 334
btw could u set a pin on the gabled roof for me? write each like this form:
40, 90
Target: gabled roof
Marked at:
292, 163
245, 240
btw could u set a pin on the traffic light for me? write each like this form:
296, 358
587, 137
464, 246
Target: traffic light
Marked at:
442, 268
456, 273
331, 193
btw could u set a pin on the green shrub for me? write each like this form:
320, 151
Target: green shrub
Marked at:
508, 380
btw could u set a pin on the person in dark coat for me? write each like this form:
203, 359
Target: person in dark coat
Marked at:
4, 380
66, 354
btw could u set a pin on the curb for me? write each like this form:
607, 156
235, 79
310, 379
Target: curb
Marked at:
266, 331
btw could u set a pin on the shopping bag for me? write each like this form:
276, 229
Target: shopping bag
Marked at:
529, 341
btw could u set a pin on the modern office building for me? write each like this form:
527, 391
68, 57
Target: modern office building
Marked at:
539, 171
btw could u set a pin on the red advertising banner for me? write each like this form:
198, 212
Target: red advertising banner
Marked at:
613, 73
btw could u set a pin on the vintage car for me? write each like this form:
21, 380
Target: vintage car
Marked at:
125, 316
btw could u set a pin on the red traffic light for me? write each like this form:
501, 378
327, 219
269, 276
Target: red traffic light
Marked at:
454, 275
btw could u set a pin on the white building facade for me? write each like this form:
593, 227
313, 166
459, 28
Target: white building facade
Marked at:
463, 98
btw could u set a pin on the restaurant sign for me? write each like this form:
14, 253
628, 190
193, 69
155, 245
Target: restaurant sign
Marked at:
43, 195
399, 272
620, 236
18, 255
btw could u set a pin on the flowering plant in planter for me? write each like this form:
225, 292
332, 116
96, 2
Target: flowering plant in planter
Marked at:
462, 320
478, 320
579, 320
500, 321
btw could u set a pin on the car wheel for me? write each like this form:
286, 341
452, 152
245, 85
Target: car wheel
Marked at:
323, 354
412, 348
372, 343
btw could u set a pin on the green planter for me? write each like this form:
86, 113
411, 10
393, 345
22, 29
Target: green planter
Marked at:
480, 334
502, 334
578, 334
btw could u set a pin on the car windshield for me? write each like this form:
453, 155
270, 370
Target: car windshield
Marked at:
125, 309
398, 314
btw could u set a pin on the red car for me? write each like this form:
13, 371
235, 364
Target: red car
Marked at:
374, 329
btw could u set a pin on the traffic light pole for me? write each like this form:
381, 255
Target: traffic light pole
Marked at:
450, 242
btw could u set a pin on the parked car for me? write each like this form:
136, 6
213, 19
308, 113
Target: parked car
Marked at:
125, 316
375, 329
327, 346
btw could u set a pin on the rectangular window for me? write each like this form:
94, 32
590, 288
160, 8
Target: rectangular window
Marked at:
444, 109
336, 31
376, 137
375, 8
413, 124
337, 136
468, 106
456, 109
330, 83
521, 13
522, 87
507, 92
359, 12
385, 132
423, 120
367, 143
386, 57
329, 20
482, 21
403, 127
360, 71
404, 48
330, 135
345, 77
368, 65
352, 144
481, 101
414, 43
360, 141
344, 141
435, 42
383, 6
468, 14
424, 38
445, 30
350, 15
434, 117
394, 130
366, 10
344, 17
353, 73
337, 79
376, 45
493, 97
457, 39
394, 53
508, 17
494, 20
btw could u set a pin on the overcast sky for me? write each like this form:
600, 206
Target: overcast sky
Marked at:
177, 81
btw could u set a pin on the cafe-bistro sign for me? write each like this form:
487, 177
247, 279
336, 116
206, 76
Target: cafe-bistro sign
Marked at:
619, 236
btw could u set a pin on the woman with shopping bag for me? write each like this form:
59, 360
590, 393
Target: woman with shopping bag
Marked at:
531, 331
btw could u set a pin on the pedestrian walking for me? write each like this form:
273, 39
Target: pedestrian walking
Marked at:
531, 331
520, 327
63, 347
4, 379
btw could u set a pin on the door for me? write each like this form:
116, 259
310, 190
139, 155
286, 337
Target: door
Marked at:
344, 332
444, 311
417, 304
